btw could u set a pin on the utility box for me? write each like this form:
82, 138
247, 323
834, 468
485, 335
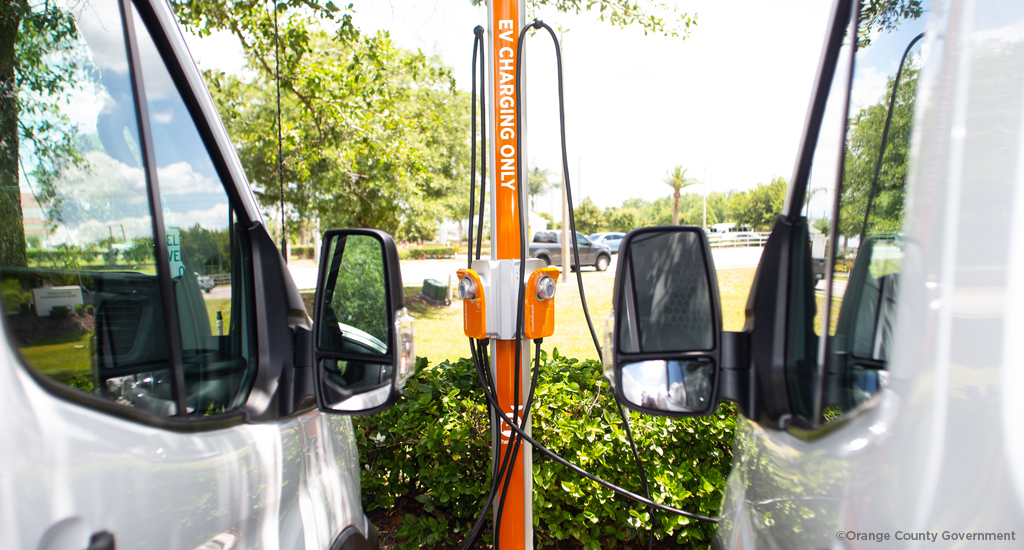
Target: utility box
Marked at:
435, 292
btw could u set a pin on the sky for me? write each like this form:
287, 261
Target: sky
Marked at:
728, 103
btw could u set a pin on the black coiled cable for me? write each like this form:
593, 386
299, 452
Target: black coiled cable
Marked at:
503, 472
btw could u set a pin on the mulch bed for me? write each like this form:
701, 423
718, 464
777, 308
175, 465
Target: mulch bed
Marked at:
30, 328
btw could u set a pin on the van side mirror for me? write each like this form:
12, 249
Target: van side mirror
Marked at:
662, 346
362, 338
867, 318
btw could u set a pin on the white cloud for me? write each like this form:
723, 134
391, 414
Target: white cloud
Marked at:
868, 87
214, 218
100, 24
92, 231
180, 179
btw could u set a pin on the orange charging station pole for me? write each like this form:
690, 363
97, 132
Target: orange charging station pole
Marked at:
505, 19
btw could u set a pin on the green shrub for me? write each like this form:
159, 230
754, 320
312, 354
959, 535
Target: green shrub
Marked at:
58, 312
404, 254
13, 295
90, 310
302, 251
429, 252
429, 456
79, 309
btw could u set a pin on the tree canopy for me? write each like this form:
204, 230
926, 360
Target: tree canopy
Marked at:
864, 140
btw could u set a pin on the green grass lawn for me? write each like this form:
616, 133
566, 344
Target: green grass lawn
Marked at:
62, 358
439, 334
224, 307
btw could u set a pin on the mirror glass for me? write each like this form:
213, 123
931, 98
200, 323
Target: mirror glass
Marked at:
873, 312
669, 386
354, 320
355, 385
665, 295
354, 311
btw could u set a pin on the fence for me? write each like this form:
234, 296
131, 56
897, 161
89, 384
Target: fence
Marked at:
738, 240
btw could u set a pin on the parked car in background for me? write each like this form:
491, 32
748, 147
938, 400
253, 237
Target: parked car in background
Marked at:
610, 239
547, 246
205, 283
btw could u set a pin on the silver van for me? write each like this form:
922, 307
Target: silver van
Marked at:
884, 409
142, 412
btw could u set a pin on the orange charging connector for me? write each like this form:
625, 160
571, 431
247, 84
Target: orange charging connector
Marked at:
474, 304
540, 303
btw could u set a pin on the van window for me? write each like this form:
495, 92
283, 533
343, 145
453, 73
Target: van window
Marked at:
867, 223
80, 293
203, 246
81, 297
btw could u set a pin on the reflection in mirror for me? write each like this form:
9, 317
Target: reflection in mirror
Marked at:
669, 386
353, 325
869, 219
665, 297
875, 308
354, 385
354, 312
865, 327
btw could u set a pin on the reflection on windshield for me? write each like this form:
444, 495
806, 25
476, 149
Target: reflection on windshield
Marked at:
870, 219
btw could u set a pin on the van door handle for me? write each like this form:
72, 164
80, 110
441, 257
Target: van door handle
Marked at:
101, 541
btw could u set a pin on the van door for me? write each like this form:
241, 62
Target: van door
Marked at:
820, 348
129, 393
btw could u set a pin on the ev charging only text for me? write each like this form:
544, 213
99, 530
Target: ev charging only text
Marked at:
506, 106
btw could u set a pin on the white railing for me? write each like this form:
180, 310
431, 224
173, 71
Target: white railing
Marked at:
737, 240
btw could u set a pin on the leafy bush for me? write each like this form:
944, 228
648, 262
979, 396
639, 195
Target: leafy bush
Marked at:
13, 295
58, 312
429, 457
302, 251
428, 252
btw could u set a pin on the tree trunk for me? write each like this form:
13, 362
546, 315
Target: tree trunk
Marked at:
675, 208
12, 226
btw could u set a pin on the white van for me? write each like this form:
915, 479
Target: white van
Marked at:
892, 417
140, 411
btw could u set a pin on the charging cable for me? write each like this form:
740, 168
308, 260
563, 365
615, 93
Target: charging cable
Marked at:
502, 472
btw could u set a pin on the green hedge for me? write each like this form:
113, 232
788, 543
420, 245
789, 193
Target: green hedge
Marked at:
301, 251
426, 252
429, 456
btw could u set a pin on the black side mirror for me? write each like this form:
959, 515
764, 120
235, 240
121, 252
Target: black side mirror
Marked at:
867, 318
662, 350
362, 337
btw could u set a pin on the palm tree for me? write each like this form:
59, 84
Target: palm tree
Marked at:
540, 182
677, 180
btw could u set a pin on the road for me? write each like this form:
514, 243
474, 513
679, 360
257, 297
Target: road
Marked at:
414, 272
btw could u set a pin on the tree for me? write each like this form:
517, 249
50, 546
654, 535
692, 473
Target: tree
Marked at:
374, 136
39, 61
876, 15
622, 220
862, 148
677, 180
540, 183
587, 217
759, 207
